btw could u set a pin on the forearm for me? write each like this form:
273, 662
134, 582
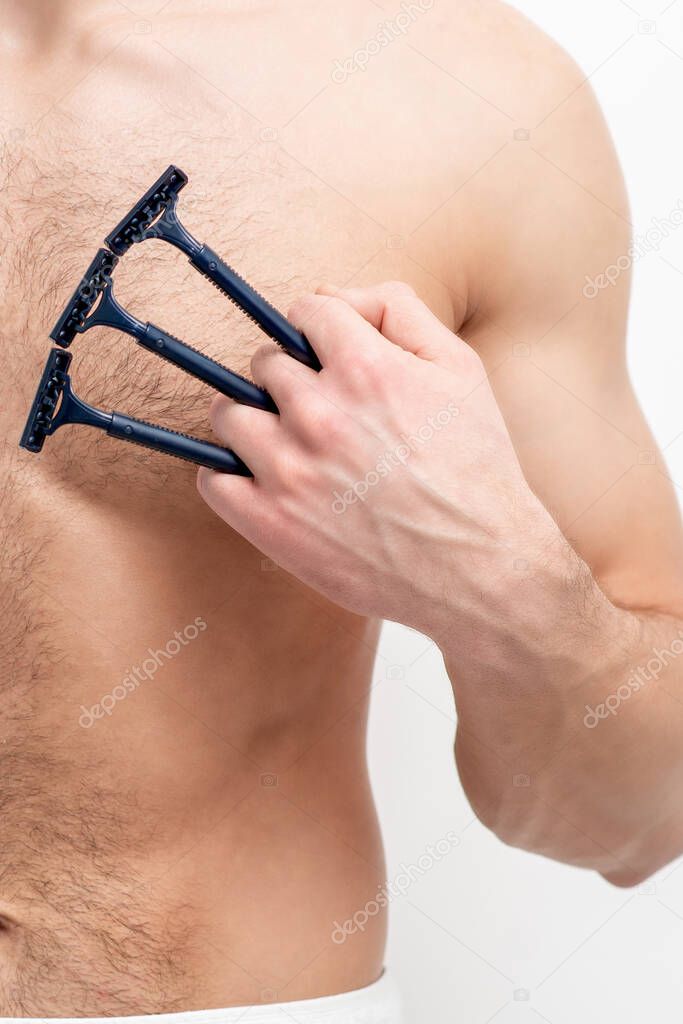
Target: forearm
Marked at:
570, 713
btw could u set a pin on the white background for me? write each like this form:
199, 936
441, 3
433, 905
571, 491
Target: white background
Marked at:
490, 933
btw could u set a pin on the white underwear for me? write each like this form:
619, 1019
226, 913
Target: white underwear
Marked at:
376, 1004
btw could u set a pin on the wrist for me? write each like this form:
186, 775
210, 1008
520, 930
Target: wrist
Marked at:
538, 611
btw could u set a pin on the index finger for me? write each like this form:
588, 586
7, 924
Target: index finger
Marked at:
335, 329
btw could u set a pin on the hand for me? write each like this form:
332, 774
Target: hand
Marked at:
390, 484
389, 480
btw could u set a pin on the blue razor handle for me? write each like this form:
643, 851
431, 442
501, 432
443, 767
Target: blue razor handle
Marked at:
268, 318
201, 366
95, 305
155, 215
171, 442
56, 405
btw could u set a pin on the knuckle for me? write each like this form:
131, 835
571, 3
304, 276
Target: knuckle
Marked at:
293, 311
369, 369
219, 413
402, 313
396, 314
202, 483
261, 358
355, 377
399, 314
287, 471
318, 420
399, 289
209, 485
301, 308
259, 355
324, 310
366, 360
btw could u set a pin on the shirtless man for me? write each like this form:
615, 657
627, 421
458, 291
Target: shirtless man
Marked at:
187, 842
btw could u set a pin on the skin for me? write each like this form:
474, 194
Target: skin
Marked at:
149, 864
390, 483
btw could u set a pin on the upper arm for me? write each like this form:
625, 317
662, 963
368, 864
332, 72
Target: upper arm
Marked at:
543, 218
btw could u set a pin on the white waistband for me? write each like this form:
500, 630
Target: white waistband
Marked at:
376, 1004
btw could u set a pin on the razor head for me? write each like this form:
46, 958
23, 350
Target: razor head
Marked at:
156, 201
52, 383
80, 305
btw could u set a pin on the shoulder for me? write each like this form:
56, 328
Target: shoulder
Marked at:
538, 199
501, 54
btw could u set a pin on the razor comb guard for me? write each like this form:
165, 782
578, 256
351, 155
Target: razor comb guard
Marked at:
135, 225
45, 402
81, 304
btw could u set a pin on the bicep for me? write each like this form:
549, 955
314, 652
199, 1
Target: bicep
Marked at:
554, 348
589, 455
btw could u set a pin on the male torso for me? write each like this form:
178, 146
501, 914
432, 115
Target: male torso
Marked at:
194, 846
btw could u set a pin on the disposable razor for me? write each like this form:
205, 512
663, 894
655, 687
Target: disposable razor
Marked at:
155, 216
94, 304
56, 405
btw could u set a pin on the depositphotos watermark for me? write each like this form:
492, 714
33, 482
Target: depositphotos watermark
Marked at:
391, 460
142, 673
407, 876
637, 681
641, 246
389, 31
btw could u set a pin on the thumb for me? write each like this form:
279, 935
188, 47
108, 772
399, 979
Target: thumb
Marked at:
394, 309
